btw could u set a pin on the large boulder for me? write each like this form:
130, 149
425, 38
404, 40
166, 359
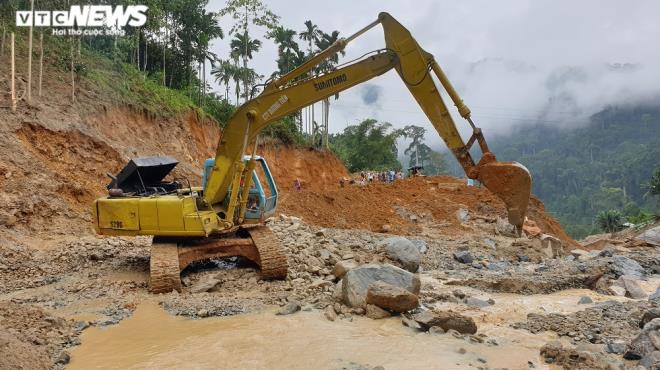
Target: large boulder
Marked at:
625, 266
446, 320
356, 282
655, 296
553, 247
404, 251
630, 284
648, 316
647, 342
342, 267
651, 236
421, 245
390, 297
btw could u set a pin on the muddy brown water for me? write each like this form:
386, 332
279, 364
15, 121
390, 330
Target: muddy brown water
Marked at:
153, 339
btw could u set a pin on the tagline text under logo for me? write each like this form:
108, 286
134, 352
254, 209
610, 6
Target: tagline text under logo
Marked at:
86, 16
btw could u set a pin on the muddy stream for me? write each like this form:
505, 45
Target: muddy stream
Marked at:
154, 339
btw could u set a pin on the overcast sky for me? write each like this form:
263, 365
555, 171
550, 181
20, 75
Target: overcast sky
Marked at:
514, 62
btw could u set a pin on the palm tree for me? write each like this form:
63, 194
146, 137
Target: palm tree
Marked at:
223, 73
325, 41
311, 34
287, 48
237, 77
242, 45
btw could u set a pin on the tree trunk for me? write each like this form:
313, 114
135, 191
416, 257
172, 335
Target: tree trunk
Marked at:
313, 127
203, 82
245, 82
29, 76
145, 55
238, 93
2, 46
137, 50
164, 49
73, 76
327, 123
199, 79
41, 61
13, 75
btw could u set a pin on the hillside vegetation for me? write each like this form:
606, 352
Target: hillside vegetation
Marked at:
604, 165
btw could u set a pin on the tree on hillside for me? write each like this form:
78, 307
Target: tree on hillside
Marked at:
421, 154
223, 72
324, 42
369, 145
311, 34
245, 13
602, 165
416, 135
654, 184
244, 47
610, 221
287, 48
436, 164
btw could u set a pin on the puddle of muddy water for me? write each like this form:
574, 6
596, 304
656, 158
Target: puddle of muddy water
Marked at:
153, 339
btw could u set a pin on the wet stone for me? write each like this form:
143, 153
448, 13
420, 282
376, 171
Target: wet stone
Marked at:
476, 302
585, 300
463, 257
289, 308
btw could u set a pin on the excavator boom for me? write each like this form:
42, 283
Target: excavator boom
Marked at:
510, 181
222, 218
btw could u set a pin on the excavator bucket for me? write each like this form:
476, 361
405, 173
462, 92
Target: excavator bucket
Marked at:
512, 183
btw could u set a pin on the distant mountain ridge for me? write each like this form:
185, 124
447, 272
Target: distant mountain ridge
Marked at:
598, 166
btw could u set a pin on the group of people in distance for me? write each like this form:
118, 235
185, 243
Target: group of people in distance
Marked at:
366, 177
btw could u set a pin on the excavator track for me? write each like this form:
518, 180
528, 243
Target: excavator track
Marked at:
164, 268
272, 259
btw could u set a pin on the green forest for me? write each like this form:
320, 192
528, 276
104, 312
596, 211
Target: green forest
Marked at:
584, 173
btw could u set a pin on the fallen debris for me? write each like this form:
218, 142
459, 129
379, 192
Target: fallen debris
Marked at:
289, 308
357, 281
390, 297
447, 320
402, 250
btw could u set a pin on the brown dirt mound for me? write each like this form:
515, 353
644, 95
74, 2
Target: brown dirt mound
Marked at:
31, 338
318, 170
77, 162
15, 354
377, 204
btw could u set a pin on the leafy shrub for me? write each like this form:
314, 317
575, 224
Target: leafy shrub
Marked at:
610, 221
285, 130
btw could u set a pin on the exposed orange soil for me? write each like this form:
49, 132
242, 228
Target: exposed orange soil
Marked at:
376, 204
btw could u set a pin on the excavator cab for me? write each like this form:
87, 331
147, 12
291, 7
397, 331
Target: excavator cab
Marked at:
262, 198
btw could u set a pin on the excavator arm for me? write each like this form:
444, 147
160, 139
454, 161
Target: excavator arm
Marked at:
508, 180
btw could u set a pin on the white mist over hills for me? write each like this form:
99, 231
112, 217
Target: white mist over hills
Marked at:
514, 62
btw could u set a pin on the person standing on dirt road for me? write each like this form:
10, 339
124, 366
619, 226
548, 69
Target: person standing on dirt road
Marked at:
297, 185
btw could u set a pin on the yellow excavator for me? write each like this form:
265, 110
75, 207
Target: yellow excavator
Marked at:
224, 217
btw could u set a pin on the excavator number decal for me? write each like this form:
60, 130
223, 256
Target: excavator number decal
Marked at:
330, 82
273, 108
116, 224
